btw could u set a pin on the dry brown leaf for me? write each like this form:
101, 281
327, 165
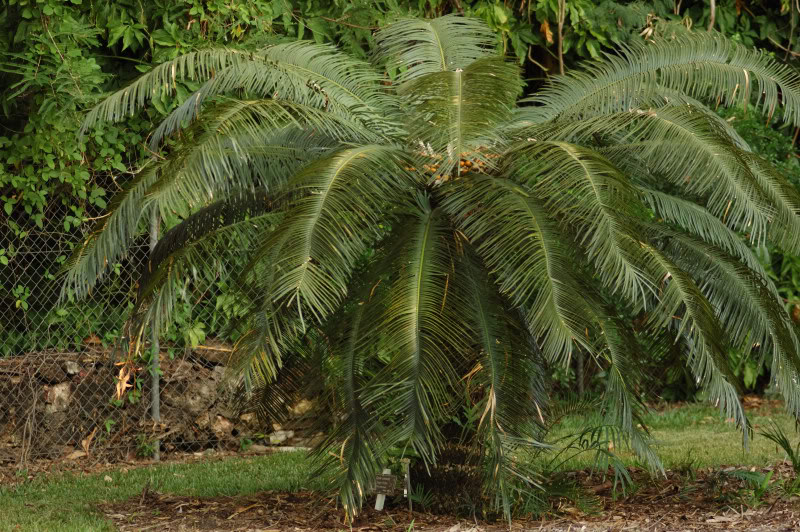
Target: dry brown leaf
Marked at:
122, 381
547, 32
87, 441
242, 510
721, 519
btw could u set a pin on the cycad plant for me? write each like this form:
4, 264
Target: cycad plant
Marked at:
429, 232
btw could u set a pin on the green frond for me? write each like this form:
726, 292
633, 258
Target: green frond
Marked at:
423, 333
417, 47
700, 65
698, 221
622, 405
674, 98
510, 368
453, 113
110, 238
230, 151
513, 234
302, 72
334, 208
591, 198
747, 306
681, 145
510, 374
299, 375
237, 220
683, 307
784, 229
193, 66
353, 449
258, 354
208, 241
248, 143
308, 74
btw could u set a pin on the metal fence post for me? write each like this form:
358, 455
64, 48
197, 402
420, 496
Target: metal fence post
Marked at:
155, 399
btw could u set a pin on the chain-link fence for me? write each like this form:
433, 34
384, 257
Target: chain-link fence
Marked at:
59, 362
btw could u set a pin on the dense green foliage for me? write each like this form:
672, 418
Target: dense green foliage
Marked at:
424, 241
58, 57
62, 55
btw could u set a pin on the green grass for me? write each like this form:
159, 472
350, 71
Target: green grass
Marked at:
695, 434
66, 502
689, 434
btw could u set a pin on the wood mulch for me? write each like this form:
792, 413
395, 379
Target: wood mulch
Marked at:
703, 500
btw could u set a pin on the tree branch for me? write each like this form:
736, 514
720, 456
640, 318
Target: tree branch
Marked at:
562, 13
713, 15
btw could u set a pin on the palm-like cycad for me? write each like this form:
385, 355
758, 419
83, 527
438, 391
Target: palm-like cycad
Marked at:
440, 236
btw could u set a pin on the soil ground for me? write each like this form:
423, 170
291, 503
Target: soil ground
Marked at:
688, 498
702, 500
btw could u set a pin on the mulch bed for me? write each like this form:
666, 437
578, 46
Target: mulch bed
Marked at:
711, 500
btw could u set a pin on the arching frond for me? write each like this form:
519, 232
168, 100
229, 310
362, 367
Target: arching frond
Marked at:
421, 333
510, 375
515, 237
311, 75
747, 305
695, 219
784, 229
163, 78
209, 164
675, 98
249, 143
456, 112
353, 449
418, 47
702, 66
208, 241
683, 307
622, 404
238, 219
592, 198
110, 238
301, 72
342, 200
683, 146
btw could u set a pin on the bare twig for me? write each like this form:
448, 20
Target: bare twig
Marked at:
791, 36
534, 61
713, 15
778, 45
562, 14
27, 428
145, 492
349, 25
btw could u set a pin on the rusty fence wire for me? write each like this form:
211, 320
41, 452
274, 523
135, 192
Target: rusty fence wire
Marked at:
59, 355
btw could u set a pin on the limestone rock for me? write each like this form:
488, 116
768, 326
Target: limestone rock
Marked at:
222, 427
301, 408
71, 367
280, 436
195, 397
57, 397
256, 448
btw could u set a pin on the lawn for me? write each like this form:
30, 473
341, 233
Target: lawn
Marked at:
66, 502
696, 435
688, 436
